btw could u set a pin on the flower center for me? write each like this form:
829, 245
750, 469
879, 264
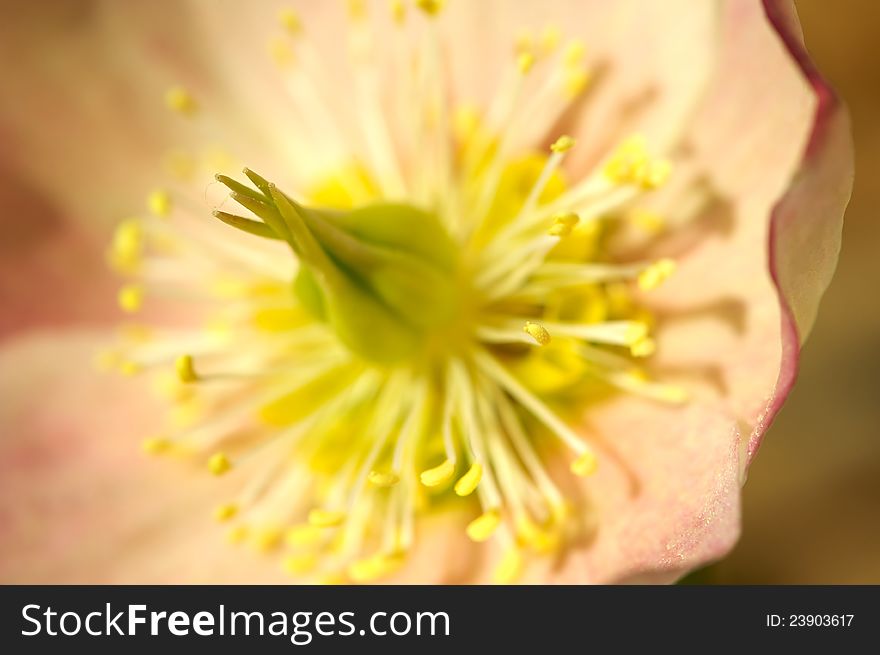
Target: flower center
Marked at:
395, 338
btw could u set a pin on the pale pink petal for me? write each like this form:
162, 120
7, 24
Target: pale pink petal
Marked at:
674, 502
52, 271
79, 503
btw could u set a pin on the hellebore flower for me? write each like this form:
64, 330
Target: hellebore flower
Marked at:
506, 291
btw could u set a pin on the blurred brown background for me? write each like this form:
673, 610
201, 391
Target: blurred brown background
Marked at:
812, 503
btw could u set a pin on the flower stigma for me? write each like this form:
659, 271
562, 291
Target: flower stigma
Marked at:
421, 327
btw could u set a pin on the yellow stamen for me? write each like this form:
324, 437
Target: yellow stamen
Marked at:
180, 164
237, 534
524, 42
383, 479
290, 21
129, 368
648, 221
537, 332
574, 52
584, 465
510, 567
281, 53
431, 7
127, 246
576, 82
438, 475
325, 518
185, 368
643, 347
155, 445
159, 203
303, 535
655, 274
357, 10
563, 144
179, 100
300, 563
635, 332
484, 526
536, 537
219, 464
563, 224
131, 298
268, 539
374, 567
398, 11
551, 35
225, 512
524, 62
468, 482
656, 174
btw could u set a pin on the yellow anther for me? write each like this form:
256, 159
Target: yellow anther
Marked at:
648, 221
467, 483
540, 539
656, 274
524, 42
268, 539
431, 7
127, 247
357, 10
465, 123
629, 162
563, 224
237, 534
290, 21
155, 445
300, 563
303, 535
524, 62
325, 518
332, 578
179, 164
225, 512
574, 52
635, 332
159, 203
563, 144
537, 332
438, 475
219, 463
656, 173
484, 526
178, 99
281, 53
130, 298
575, 82
585, 464
643, 348
374, 567
136, 333
383, 479
551, 35
129, 368
398, 11
510, 567
107, 360
185, 368
672, 394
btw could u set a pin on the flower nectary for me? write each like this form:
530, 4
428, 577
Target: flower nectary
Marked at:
398, 336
